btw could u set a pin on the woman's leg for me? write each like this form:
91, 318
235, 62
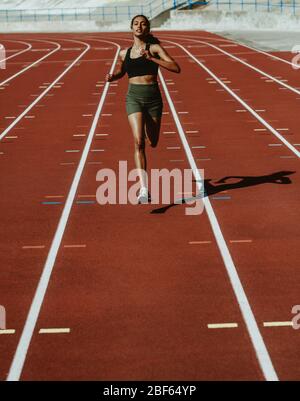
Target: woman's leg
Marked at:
137, 127
152, 129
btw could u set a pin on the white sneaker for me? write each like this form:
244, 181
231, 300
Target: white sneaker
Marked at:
144, 196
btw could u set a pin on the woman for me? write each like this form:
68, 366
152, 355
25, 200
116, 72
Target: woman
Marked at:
143, 102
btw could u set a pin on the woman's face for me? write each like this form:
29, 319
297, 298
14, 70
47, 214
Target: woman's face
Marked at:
140, 27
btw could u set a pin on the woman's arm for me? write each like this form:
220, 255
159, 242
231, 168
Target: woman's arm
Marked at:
165, 60
119, 71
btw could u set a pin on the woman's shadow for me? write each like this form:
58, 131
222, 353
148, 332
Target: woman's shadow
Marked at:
280, 177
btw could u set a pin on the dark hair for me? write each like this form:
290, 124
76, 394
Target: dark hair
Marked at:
149, 38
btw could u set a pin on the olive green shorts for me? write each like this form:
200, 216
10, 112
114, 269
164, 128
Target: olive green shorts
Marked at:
144, 98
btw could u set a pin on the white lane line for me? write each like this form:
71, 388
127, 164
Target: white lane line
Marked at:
58, 46
278, 324
244, 104
75, 246
55, 331
29, 47
33, 247
39, 97
291, 88
239, 241
222, 325
7, 331
31, 320
97, 150
199, 242
245, 308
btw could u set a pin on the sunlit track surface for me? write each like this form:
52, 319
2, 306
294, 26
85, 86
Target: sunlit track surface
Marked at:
144, 290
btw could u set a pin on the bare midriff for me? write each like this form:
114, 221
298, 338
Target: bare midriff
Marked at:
143, 79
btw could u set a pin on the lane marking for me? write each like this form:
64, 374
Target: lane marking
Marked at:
31, 320
262, 353
33, 247
75, 246
242, 61
221, 197
199, 242
28, 48
222, 325
39, 97
52, 203
240, 241
55, 331
253, 112
7, 331
278, 324
27, 67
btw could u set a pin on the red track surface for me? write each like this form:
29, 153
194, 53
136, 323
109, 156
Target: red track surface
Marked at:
137, 296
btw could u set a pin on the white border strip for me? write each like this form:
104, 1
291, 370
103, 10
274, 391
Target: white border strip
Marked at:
251, 324
253, 112
24, 342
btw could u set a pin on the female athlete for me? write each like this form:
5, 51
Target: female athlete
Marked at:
143, 101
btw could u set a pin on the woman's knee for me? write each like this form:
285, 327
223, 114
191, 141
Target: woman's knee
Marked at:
139, 145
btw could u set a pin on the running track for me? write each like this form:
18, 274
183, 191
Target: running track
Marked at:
135, 290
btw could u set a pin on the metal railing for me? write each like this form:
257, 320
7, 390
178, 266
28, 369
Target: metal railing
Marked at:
105, 13
281, 6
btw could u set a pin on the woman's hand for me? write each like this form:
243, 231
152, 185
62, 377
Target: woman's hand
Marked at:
146, 54
109, 77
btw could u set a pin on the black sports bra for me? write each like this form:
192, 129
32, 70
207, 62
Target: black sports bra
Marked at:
139, 66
